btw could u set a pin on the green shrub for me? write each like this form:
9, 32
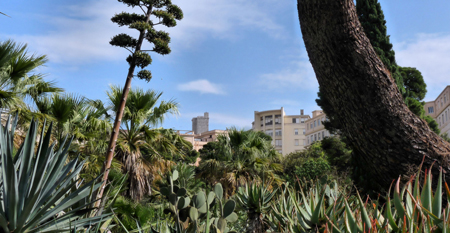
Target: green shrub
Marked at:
313, 168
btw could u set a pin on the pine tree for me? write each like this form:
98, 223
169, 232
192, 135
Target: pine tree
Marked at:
409, 80
372, 20
163, 13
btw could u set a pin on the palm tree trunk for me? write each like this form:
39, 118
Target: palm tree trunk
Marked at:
383, 132
118, 119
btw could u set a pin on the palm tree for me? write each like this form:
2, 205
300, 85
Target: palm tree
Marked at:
139, 144
17, 83
241, 157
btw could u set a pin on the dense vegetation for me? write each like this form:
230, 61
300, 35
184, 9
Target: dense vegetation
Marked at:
50, 173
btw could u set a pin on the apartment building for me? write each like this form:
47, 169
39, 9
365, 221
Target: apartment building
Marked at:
315, 130
439, 109
287, 131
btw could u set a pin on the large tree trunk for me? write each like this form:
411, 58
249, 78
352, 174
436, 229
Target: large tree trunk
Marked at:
381, 129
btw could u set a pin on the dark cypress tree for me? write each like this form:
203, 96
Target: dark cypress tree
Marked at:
372, 20
409, 80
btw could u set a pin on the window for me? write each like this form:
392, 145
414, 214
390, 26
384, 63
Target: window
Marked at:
304, 131
280, 151
308, 140
262, 121
315, 124
323, 134
304, 142
278, 132
277, 119
318, 122
303, 120
312, 139
296, 120
318, 135
315, 137
446, 117
430, 110
277, 142
296, 142
311, 126
268, 120
269, 132
295, 131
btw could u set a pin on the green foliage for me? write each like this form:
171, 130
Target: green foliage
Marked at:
445, 137
432, 124
186, 179
239, 157
164, 12
415, 106
337, 152
142, 147
124, 41
201, 212
372, 20
40, 191
329, 157
313, 168
414, 83
255, 199
145, 75
17, 78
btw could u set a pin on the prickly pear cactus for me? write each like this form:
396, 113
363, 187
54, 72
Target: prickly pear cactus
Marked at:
193, 214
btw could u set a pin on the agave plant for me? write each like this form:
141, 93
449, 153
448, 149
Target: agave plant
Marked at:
39, 191
256, 199
413, 208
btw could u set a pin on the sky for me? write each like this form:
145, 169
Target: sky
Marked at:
229, 57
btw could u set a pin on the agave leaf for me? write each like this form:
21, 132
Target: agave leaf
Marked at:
426, 192
398, 200
350, 219
437, 200
316, 214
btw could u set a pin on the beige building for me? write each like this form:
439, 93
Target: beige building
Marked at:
287, 131
439, 109
199, 140
315, 130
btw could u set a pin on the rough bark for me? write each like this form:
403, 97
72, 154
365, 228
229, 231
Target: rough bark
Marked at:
381, 129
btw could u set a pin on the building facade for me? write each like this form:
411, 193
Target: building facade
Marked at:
200, 124
199, 140
439, 109
200, 134
287, 131
315, 130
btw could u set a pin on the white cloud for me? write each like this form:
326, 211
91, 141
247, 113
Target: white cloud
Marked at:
224, 18
430, 54
299, 75
82, 32
203, 86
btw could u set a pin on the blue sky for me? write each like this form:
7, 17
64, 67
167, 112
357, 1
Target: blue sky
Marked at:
229, 57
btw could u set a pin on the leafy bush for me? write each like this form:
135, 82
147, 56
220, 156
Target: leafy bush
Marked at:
313, 168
